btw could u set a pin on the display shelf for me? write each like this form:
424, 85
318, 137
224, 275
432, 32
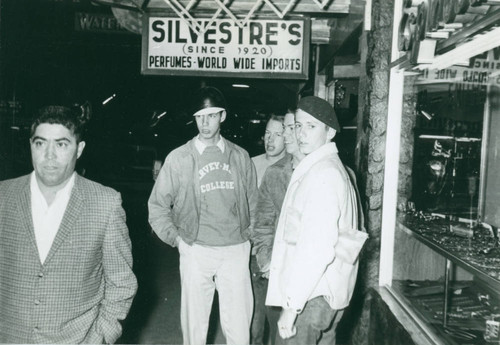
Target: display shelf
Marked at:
467, 313
479, 26
464, 36
421, 332
467, 253
457, 311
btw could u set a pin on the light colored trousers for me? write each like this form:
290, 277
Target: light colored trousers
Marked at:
204, 269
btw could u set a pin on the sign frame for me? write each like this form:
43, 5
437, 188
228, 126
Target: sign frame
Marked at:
303, 74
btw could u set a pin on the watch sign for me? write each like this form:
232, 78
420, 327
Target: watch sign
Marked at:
265, 48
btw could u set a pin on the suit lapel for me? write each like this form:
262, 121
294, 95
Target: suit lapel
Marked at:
73, 210
24, 208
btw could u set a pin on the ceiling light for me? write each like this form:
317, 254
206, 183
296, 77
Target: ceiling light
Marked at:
427, 115
107, 100
243, 86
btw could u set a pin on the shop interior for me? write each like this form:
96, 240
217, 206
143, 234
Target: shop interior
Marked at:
445, 268
426, 160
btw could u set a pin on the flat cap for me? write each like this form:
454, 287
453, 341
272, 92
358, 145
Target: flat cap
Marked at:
321, 110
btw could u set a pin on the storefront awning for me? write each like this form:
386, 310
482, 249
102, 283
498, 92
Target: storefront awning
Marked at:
345, 15
237, 8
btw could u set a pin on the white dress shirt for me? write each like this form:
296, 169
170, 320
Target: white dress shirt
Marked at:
47, 219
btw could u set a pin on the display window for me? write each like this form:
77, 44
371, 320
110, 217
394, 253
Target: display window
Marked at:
440, 256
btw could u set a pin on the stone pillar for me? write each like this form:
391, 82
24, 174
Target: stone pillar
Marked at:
370, 152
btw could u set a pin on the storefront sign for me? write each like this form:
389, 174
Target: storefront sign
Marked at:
97, 22
483, 70
261, 49
459, 75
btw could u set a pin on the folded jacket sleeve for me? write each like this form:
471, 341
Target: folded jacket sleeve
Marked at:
161, 201
265, 224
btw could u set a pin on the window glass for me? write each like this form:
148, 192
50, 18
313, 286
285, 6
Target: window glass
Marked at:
446, 255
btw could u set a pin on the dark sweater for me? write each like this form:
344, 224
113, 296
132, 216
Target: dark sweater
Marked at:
271, 194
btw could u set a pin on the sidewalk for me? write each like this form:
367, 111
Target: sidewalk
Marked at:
155, 314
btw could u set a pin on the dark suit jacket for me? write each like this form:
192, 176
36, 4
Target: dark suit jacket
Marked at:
86, 283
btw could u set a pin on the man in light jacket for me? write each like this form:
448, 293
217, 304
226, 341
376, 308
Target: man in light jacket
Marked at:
307, 280
203, 202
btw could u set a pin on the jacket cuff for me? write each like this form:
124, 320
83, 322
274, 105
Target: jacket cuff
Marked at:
289, 304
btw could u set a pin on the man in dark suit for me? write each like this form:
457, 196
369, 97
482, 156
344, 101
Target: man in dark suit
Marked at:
65, 252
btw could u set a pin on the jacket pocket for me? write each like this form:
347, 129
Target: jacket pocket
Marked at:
292, 225
349, 245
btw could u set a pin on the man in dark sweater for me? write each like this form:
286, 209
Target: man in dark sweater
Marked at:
271, 194
203, 202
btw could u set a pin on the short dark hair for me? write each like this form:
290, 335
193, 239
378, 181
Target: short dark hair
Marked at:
208, 97
61, 115
278, 118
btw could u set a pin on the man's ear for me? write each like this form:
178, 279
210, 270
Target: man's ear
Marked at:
223, 116
81, 146
331, 133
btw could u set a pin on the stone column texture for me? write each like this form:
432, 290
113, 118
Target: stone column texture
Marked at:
372, 126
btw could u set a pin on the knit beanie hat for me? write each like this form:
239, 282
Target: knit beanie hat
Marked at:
321, 110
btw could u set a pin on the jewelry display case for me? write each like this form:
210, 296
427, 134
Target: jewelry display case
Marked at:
440, 249
451, 280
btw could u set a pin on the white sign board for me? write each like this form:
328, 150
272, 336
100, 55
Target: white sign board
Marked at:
482, 70
268, 48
